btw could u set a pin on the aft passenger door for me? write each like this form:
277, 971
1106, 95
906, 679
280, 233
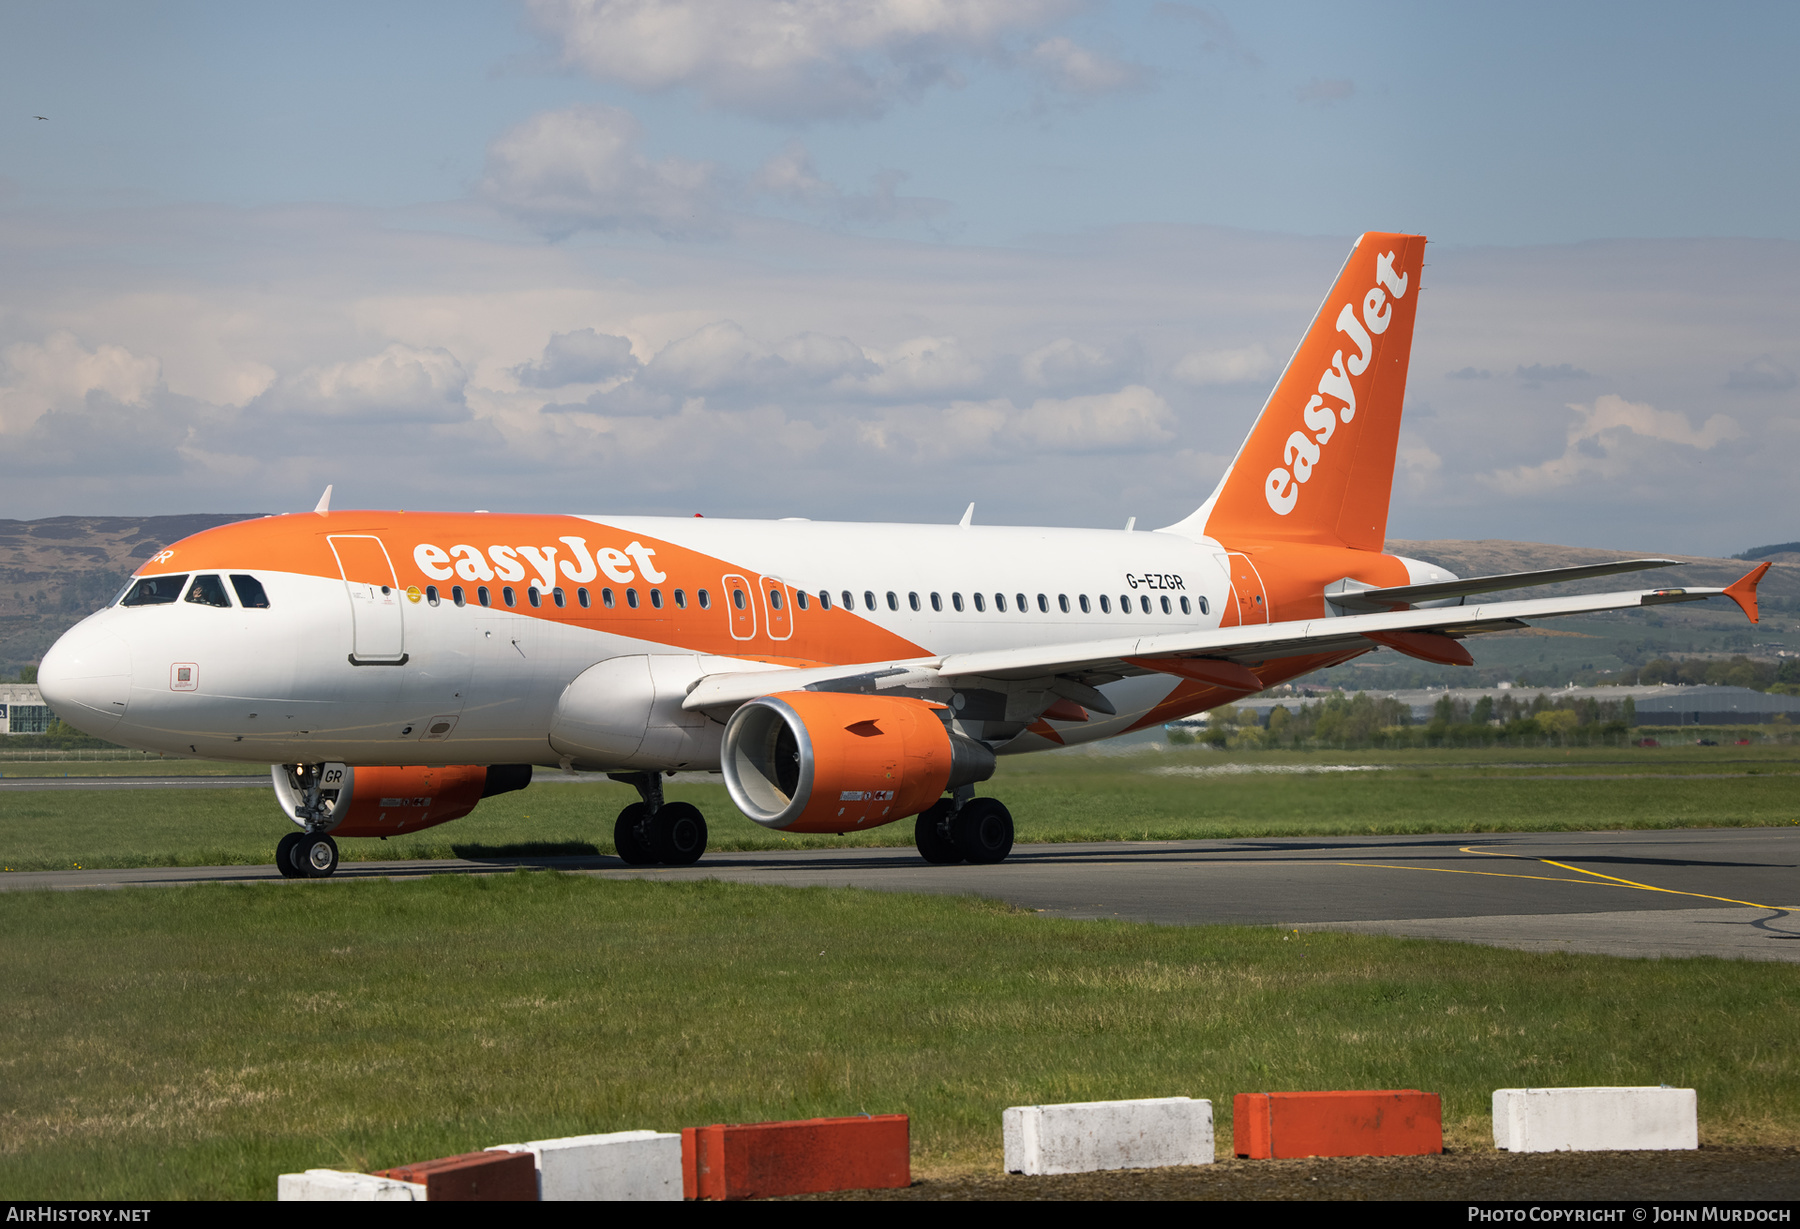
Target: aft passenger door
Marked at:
375, 605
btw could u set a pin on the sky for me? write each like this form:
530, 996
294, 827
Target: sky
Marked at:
874, 260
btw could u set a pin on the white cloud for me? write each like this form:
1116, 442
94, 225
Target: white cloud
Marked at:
1133, 419
582, 356
61, 372
1063, 362
787, 60
1075, 69
1242, 365
1606, 442
791, 178
581, 168
400, 384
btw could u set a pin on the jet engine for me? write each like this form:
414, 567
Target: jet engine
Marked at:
389, 801
819, 761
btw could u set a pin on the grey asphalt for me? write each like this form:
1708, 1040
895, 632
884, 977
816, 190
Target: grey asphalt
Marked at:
1729, 892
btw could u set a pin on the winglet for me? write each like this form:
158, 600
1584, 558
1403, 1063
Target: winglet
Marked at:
1744, 591
968, 516
324, 502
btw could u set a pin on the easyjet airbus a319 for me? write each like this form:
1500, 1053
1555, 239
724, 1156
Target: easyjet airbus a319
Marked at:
397, 668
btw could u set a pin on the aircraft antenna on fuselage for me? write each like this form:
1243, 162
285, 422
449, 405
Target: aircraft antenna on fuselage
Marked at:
968, 516
324, 501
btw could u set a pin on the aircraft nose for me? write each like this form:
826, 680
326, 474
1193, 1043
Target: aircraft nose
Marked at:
86, 679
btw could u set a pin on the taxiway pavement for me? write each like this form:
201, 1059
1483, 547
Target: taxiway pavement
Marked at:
1729, 892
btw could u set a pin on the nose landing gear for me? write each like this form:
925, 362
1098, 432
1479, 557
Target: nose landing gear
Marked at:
654, 831
306, 855
309, 854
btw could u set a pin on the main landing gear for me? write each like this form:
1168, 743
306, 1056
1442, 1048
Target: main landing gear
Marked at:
654, 831
306, 855
963, 828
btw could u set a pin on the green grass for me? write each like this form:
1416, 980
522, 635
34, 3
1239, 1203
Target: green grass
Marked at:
195, 1042
1065, 796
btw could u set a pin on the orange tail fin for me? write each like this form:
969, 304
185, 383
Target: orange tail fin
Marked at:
1319, 464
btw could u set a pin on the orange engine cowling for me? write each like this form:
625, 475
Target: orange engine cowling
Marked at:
820, 761
384, 801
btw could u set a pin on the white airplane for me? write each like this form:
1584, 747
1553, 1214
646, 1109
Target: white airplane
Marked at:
396, 668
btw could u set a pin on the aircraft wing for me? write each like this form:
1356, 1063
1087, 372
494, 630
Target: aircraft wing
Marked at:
1072, 670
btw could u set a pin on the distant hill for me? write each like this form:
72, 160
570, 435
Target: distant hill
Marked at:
57, 571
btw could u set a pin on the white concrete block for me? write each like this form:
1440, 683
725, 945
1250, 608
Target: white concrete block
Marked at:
1595, 1119
621, 1165
1089, 1135
336, 1186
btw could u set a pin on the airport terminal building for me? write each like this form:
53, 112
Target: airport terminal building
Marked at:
22, 709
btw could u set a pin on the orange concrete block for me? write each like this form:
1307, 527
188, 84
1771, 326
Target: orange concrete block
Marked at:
1278, 1125
473, 1176
760, 1159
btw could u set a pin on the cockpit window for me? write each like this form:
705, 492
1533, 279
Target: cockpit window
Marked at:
250, 592
208, 591
155, 591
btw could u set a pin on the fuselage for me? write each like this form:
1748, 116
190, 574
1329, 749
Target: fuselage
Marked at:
451, 638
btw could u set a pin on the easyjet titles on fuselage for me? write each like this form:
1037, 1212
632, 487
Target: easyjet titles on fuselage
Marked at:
470, 563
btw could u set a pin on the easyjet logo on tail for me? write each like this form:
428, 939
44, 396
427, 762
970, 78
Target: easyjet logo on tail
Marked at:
1336, 399
580, 566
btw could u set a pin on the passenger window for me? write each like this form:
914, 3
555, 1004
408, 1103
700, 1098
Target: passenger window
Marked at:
1085, 608
631, 598
868, 599
481, 595
774, 599
656, 598
800, 598
581, 596
912, 599
1043, 604
1165, 605
208, 591
559, 597
456, 595
1144, 604
1185, 608
1203, 606
980, 603
1023, 603
508, 596
705, 599
533, 596
681, 599
1124, 603
431, 594
737, 598
894, 602
956, 602
1105, 604
155, 590
250, 592
1062, 600
606, 599
1000, 602
824, 599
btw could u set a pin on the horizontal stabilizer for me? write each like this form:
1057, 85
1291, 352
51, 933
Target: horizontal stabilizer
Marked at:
1364, 600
